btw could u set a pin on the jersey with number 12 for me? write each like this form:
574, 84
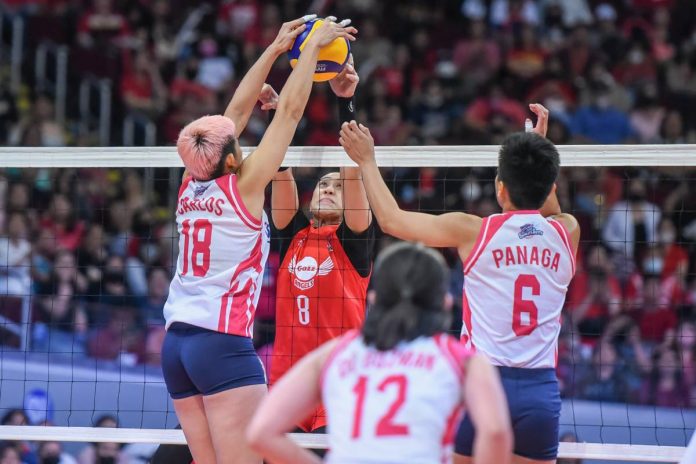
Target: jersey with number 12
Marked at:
222, 253
515, 283
395, 406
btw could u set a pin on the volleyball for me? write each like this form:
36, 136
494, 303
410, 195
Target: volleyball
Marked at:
332, 58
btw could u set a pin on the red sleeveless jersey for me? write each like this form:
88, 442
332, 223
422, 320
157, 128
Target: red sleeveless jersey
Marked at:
319, 296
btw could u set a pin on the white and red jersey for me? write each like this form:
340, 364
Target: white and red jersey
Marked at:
222, 253
396, 406
515, 284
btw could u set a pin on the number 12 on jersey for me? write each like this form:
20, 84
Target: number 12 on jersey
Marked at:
197, 240
385, 426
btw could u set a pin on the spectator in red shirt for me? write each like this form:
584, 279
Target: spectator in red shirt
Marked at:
477, 57
494, 105
102, 26
61, 220
671, 291
236, 17
266, 30
654, 319
639, 66
675, 256
142, 88
398, 75
594, 296
185, 84
526, 58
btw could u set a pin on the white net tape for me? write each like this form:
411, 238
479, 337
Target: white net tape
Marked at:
408, 156
423, 156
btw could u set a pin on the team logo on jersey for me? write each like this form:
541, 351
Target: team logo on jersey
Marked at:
529, 230
307, 269
200, 190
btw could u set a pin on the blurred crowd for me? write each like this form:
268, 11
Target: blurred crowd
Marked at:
450, 71
94, 249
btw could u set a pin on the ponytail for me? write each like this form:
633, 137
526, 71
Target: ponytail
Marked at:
386, 328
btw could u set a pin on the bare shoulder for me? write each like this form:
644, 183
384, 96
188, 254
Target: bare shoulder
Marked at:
571, 225
469, 226
569, 222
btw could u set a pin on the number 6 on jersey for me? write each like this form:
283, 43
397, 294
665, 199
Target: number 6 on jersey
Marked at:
525, 314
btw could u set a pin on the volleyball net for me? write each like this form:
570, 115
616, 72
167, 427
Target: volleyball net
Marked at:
89, 244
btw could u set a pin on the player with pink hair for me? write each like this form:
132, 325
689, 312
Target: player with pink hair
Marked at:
212, 372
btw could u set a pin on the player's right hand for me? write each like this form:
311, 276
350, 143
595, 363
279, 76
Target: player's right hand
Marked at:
346, 82
357, 141
330, 30
542, 125
289, 32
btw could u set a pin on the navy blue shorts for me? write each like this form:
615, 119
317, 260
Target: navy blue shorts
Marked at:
197, 361
535, 409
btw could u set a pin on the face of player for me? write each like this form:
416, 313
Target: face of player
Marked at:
327, 199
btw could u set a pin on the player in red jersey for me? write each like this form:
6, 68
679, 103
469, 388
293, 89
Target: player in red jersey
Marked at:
209, 364
517, 267
326, 261
394, 390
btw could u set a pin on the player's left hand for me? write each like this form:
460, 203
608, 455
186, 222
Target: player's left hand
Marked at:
357, 141
542, 125
345, 83
268, 98
289, 32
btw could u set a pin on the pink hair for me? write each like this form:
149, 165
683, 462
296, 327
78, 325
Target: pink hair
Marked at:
201, 143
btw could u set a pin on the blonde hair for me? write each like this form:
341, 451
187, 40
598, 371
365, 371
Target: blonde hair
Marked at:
203, 143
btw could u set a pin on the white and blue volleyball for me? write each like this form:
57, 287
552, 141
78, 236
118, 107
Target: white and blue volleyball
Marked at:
332, 58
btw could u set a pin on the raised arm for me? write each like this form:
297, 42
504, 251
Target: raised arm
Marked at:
457, 230
242, 104
356, 208
261, 166
487, 405
284, 201
552, 208
356, 213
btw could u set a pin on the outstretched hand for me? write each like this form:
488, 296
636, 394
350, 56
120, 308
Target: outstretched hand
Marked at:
345, 83
357, 141
289, 32
268, 98
330, 30
542, 125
